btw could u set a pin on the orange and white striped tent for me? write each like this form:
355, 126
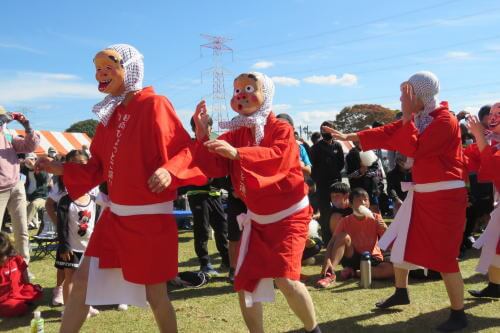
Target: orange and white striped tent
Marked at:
62, 142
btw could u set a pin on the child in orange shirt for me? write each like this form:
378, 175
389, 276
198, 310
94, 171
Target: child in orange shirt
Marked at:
354, 234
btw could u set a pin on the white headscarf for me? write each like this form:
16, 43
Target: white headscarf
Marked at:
426, 87
259, 118
134, 75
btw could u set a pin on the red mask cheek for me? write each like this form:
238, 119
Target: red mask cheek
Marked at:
234, 103
254, 98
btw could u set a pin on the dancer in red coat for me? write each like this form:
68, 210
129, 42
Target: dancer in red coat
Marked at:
427, 231
133, 250
260, 154
489, 164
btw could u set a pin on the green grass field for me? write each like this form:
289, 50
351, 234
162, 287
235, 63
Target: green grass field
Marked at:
344, 308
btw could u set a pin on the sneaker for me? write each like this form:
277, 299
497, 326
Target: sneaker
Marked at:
469, 242
209, 270
92, 312
122, 307
57, 296
327, 281
7, 229
347, 273
230, 276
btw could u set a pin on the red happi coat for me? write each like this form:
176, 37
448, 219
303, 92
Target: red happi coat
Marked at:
139, 138
438, 218
268, 178
489, 169
15, 293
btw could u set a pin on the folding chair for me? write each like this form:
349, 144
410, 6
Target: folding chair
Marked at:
45, 242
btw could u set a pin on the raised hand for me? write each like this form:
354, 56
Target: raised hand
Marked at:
337, 135
201, 121
159, 180
48, 165
223, 148
408, 101
21, 118
475, 127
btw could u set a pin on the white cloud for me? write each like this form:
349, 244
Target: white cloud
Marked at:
28, 86
345, 80
314, 118
458, 55
263, 65
20, 48
285, 81
493, 47
281, 107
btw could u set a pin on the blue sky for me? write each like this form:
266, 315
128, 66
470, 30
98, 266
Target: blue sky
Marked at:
323, 55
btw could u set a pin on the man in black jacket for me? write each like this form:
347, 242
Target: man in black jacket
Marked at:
327, 158
36, 185
206, 205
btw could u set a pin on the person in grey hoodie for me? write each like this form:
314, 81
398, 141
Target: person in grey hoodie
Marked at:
12, 192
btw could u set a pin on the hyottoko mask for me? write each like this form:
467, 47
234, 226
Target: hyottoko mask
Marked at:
248, 95
494, 119
110, 73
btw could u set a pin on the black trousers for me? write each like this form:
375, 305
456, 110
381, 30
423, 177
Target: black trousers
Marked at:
479, 208
208, 211
325, 209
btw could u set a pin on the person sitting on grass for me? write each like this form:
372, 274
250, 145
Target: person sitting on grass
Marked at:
16, 293
355, 234
339, 198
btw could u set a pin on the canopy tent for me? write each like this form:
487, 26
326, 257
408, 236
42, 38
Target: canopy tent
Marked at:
62, 142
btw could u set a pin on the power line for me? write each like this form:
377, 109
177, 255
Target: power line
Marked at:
368, 61
175, 70
402, 14
352, 41
354, 26
388, 97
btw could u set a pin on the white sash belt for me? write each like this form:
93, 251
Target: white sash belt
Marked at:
264, 292
107, 286
166, 207
398, 230
488, 241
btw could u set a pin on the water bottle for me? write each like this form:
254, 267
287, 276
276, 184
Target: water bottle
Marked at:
366, 270
37, 323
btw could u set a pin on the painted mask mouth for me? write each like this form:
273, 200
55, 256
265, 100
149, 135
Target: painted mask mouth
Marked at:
104, 84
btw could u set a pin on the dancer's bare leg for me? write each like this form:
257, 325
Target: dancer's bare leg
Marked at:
252, 315
299, 300
75, 311
455, 288
163, 310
